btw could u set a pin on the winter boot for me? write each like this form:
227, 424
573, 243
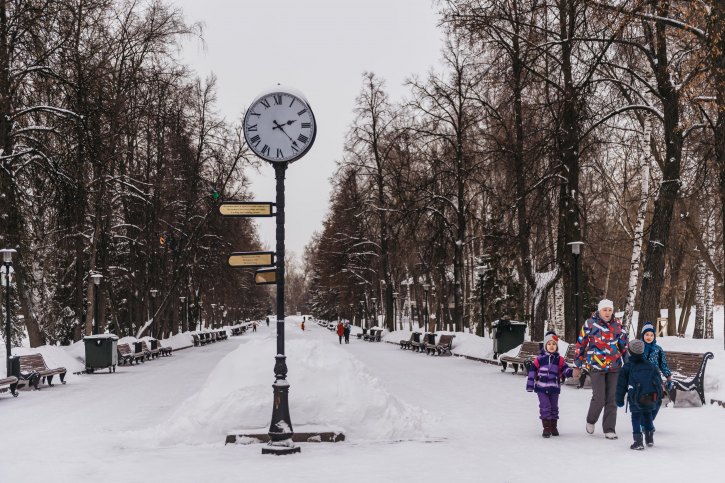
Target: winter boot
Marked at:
552, 427
649, 438
637, 441
547, 428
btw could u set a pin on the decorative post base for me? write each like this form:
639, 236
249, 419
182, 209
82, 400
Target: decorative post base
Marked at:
280, 450
280, 429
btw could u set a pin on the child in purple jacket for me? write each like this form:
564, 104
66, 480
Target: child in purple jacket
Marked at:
546, 373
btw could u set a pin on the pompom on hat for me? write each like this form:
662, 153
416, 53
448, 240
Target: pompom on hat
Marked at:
605, 303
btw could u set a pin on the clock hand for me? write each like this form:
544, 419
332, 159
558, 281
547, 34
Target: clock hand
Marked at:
278, 126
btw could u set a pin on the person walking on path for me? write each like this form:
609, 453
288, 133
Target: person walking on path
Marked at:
641, 382
656, 356
600, 347
254, 326
340, 331
346, 332
546, 374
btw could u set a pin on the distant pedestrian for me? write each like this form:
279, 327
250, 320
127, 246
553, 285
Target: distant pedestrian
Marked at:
254, 326
340, 331
656, 356
546, 374
642, 384
600, 347
303, 326
346, 331
267, 321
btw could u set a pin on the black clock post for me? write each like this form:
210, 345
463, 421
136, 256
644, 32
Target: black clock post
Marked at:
280, 429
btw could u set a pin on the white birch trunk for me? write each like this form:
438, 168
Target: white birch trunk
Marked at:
636, 258
709, 285
556, 322
700, 300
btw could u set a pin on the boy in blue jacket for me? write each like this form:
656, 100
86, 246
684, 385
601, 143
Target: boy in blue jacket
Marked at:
642, 384
656, 356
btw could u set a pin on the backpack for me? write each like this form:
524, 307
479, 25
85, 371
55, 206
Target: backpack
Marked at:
645, 385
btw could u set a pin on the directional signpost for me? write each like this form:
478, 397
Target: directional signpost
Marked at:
251, 259
246, 209
265, 276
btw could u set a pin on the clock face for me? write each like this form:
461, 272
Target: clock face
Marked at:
279, 127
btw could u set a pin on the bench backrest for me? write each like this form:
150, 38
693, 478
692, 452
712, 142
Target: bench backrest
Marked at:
144, 346
416, 337
32, 362
124, 349
529, 349
686, 363
430, 338
446, 340
570, 353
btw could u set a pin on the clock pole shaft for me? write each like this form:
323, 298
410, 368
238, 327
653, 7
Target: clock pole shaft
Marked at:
280, 429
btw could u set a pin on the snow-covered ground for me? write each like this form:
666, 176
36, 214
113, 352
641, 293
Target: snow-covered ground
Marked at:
407, 417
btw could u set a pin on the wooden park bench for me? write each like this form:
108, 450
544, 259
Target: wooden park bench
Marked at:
207, 336
150, 353
375, 335
418, 344
165, 350
527, 353
35, 364
405, 344
9, 383
688, 372
445, 344
126, 355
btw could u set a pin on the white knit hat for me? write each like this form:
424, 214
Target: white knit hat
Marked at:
604, 303
550, 336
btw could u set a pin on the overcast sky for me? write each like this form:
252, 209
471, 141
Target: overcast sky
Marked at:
321, 48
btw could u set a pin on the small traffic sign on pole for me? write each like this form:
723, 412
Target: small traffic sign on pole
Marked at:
246, 209
251, 259
265, 276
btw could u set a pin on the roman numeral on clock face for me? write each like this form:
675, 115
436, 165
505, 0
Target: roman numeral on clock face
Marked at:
294, 146
279, 153
253, 127
265, 103
278, 99
265, 150
303, 139
302, 112
255, 140
306, 125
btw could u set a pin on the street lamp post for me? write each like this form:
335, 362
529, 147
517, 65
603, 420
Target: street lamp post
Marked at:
395, 311
364, 320
576, 251
375, 310
213, 315
154, 329
426, 287
184, 314
222, 316
96, 277
7, 263
382, 301
352, 314
481, 271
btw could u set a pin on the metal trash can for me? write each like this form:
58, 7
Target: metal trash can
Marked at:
101, 352
507, 335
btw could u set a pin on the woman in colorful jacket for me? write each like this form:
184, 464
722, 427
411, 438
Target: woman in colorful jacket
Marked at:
600, 347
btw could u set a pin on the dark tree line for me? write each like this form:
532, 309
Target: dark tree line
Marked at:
113, 158
549, 123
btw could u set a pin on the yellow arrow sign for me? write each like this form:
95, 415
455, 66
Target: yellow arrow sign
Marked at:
246, 209
265, 276
251, 259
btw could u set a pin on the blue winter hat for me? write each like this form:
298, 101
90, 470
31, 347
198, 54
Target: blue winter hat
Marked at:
648, 327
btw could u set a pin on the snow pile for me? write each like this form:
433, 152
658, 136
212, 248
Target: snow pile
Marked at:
330, 389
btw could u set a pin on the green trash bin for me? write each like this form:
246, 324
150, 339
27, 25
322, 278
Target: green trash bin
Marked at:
507, 335
101, 352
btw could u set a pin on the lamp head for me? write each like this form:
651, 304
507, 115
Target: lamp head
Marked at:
153, 292
183, 299
576, 247
8, 254
96, 277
